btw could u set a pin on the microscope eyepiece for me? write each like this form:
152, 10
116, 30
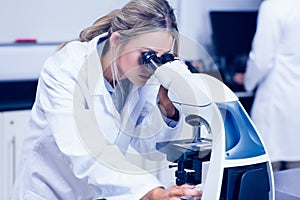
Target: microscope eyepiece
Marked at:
150, 59
167, 57
148, 56
152, 62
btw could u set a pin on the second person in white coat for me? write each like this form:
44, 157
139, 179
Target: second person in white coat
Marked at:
273, 69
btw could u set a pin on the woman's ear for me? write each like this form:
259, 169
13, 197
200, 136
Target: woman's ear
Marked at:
114, 39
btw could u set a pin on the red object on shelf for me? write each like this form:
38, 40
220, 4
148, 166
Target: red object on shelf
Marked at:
25, 40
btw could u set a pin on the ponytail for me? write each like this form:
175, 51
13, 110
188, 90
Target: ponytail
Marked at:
101, 25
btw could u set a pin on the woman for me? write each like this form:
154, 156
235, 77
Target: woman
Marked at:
92, 101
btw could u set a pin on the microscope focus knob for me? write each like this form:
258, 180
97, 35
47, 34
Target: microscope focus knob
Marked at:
181, 177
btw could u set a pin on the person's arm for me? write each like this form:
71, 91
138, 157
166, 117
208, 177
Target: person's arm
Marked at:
166, 106
153, 124
172, 193
264, 46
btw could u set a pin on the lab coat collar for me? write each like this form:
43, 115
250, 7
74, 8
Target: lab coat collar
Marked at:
94, 68
96, 81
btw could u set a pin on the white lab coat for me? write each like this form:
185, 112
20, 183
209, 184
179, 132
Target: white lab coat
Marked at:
274, 68
70, 152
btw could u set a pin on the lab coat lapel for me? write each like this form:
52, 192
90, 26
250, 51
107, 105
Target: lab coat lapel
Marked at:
130, 106
95, 96
129, 118
96, 81
94, 70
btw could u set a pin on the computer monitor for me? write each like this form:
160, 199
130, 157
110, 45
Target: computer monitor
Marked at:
233, 31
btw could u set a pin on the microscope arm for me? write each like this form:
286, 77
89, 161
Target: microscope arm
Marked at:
193, 92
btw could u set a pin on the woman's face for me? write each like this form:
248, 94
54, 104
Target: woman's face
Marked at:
129, 60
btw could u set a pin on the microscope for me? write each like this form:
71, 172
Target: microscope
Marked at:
236, 161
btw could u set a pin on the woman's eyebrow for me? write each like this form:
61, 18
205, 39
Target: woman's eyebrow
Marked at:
150, 49
147, 49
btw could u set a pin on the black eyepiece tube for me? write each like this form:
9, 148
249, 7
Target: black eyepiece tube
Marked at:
152, 62
167, 57
150, 59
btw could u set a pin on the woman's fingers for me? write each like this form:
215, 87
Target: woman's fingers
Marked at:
184, 190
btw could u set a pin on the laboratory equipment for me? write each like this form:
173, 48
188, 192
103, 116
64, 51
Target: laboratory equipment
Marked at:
237, 165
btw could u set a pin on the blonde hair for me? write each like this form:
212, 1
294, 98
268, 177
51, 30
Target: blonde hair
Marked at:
135, 18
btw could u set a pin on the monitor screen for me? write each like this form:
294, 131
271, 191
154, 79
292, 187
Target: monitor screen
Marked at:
233, 31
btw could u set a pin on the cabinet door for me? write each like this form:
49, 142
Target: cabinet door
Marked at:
14, 126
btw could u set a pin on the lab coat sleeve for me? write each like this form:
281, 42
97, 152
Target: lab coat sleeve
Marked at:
261, 57
92, 159
153, 127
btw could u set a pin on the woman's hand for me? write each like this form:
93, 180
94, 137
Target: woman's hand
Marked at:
173, 193
166, 106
